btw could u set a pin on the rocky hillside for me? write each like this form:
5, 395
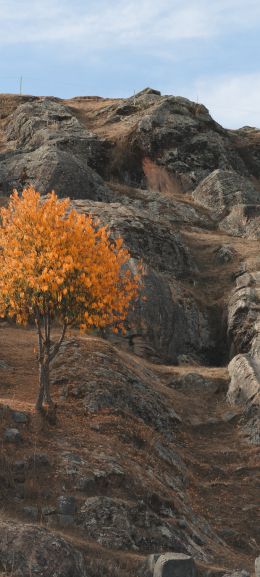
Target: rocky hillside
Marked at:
156, 448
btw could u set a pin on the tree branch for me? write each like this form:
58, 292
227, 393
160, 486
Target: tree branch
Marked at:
55, 349
39, 330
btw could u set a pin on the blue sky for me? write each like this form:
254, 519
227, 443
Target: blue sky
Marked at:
201, 49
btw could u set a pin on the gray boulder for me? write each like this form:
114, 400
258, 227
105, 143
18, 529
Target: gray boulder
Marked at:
257, 567
174, 565
48, 168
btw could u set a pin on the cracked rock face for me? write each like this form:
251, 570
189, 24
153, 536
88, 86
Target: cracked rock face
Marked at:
169, 322
244, 369
223, 189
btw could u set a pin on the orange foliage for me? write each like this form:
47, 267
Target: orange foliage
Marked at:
58, 264
57, 259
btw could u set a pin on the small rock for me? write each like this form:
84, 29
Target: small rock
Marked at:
186, 359
85, 483
67, 505
174, 565
64, 393
224, 254
182, 523
229, 416
19, 465
257, 567
73, 458
38, 460
12, 436
48, 510
31, 512
95, 427
20, 417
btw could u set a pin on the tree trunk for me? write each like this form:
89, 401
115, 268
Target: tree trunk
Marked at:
44, 383
47, 352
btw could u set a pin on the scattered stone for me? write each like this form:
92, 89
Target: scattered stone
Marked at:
19, 465
224, 254
85, 483
48, 510
67, 505
12, 436
20, 417
38, 460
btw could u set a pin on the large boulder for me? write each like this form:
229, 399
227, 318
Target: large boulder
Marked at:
121, 524
174, 565
47, 168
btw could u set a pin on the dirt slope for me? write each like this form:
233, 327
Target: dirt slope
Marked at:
217, 505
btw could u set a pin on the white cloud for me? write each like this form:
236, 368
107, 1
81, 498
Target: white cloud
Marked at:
232, 100
101, 23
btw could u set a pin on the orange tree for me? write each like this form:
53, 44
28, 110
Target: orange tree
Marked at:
59, 265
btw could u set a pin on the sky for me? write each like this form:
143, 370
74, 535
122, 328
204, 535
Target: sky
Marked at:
205, 50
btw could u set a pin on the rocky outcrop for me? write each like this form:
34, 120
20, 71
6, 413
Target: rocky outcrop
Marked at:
168, 322
223, 189
52, 151
178, 135
244, 315
244, 369
30, 551
182, 136
243, 220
